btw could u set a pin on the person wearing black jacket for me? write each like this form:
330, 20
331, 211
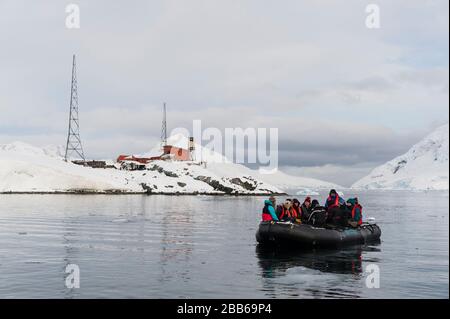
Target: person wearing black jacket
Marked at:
306, 209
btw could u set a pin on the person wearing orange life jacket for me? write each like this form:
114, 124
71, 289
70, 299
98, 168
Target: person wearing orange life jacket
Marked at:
268, 213
285, 212
334, 200
356, 212
336, 209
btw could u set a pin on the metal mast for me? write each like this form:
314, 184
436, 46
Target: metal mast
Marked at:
73, 145
164, 127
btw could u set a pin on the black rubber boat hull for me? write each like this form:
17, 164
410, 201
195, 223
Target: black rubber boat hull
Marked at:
304, 236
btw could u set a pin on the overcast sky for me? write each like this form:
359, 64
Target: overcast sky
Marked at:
344, 97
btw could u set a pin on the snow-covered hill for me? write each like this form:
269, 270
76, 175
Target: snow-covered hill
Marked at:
25, 168
221, 166
200, 153
424, 167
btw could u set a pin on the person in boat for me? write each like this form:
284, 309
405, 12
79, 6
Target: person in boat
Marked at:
355, 219
268, 213
336, 209
298, 211
334, 200
318, 216
274, 201
286, 212
283, 210
306, 208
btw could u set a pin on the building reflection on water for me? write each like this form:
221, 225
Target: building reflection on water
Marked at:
176, 244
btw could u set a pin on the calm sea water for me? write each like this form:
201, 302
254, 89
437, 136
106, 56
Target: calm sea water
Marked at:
204, 247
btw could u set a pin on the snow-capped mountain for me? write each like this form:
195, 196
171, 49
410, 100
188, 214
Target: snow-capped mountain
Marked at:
424, 167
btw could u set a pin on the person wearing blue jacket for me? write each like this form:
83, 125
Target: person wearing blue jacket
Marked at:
268, 213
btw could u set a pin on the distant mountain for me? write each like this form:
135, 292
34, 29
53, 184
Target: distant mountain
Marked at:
424, 167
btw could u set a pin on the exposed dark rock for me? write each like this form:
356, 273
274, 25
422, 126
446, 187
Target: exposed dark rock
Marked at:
399, 165
147, 188
244, 184
215, 184
170, 174
161, 170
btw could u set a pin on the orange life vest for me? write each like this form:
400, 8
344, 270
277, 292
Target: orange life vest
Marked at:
291, 213
336, 201
295, 212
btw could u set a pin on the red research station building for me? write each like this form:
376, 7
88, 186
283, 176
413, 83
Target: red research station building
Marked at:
169, 152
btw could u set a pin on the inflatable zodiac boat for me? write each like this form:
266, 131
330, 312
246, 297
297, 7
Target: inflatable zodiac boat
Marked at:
308, 236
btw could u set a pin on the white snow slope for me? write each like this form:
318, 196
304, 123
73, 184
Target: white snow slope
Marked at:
424, 167
221, 166
25, 168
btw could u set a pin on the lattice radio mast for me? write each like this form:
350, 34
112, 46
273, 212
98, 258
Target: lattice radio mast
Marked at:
73, 145
164, 127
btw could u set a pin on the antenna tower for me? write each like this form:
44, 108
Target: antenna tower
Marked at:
73, 145
164, 127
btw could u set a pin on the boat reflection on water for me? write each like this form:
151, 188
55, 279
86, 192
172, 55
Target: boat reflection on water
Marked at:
273, 260
289, 273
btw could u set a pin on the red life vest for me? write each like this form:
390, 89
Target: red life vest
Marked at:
296, 212
282, 212
360, 212
288, 212
336, 201
266, 216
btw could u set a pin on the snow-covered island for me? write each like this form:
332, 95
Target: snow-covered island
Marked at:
28, 169
424, 167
